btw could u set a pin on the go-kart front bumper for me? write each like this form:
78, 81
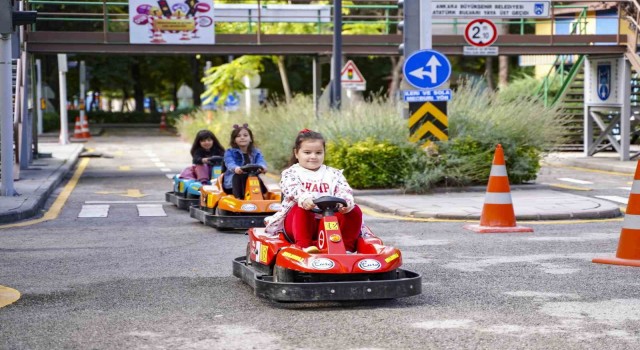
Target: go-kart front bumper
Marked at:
239, 222
407, 284
179, 201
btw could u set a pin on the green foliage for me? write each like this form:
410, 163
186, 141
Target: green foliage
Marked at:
226, 79
371, 163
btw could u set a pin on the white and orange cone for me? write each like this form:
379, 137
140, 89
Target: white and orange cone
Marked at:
77, 130
163, 122
84, 123
628, 253
497, 213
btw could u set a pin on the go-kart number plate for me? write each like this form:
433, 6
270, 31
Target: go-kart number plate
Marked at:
254, 183
263, 253
331, 225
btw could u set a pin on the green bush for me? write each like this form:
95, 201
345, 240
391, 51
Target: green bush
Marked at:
371, 163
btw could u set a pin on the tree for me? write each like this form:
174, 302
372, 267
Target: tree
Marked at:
226, 79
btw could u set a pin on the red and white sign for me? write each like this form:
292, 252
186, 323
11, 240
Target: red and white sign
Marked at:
481, 32
351, 78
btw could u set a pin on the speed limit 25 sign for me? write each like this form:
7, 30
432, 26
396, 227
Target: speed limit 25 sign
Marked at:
481, 32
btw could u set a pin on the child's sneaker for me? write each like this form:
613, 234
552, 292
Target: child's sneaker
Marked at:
311, 249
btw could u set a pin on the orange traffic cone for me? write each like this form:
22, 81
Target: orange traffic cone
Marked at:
77, 130
163, 122
85, 127
628, 253
497, 212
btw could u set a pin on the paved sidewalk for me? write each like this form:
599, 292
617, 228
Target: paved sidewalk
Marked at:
531, 202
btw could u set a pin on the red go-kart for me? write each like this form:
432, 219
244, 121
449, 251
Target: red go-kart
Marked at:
278, 270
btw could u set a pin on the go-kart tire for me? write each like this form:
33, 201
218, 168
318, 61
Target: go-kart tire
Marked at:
281, 274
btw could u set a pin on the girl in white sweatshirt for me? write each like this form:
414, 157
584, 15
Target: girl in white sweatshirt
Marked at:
307, 179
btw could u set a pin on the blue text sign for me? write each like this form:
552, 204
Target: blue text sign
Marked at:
426, 95
427, 69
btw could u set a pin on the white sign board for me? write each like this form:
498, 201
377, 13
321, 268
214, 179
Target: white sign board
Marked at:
426, 95
603, 85
351, 78
171, 22
491, 9
480, 51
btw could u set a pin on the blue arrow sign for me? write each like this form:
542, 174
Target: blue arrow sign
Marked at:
427, 69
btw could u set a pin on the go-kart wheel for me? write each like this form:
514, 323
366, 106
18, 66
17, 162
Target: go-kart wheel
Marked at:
280, 274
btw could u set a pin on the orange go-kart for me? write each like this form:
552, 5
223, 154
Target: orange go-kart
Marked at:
224, 211
278, 270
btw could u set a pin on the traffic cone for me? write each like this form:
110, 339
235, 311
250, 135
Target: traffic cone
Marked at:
628, 253
163, 122
497, 212
85, 127
77, 130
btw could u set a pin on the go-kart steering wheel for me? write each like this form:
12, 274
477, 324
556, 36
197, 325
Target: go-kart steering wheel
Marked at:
328, 205
251, 169
213, 160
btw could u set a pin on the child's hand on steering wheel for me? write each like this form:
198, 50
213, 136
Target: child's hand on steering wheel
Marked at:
238, 171
308, 204
342, 209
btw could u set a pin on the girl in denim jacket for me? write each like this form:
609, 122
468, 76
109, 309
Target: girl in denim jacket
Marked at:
242, 152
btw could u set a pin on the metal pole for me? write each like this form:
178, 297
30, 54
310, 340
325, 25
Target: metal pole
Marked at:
64, 120
336, 90
83, 78
425, 25
6, 115
316, 85
38, 104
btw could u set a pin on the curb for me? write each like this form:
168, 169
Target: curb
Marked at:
33, 204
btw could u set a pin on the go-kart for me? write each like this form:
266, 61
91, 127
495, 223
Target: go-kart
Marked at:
278, 270
224, 211
186, 192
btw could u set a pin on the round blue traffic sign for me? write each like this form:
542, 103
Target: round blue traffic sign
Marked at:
427, 69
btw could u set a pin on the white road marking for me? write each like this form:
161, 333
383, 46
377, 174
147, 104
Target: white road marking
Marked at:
616, 199
155, 159
160, 165
625, 188
165, 170
125, 202
94, 211
169, 176
575, 181
150, 210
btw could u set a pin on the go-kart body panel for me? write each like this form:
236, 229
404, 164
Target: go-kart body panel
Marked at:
373, 273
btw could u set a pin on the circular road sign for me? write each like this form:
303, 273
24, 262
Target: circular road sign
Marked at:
481, 32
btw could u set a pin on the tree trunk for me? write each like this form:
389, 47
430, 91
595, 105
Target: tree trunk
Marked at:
175, 95
396, 64
138, 92
284, 78
488, 72
503, 71
196, 82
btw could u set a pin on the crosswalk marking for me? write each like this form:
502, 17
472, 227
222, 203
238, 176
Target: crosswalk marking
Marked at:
151, 210
126, 202
169, 176
614, 199
575, 181
625, 188
94, 211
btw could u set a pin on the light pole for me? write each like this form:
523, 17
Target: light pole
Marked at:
336, 87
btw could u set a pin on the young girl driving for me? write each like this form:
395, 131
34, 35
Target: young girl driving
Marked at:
242, 152
205, 145
308, 178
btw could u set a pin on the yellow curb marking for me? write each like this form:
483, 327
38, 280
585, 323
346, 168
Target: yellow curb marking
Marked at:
569, 187
8, 296
124, 168
57, 206
133, 193
374, 213
588, 170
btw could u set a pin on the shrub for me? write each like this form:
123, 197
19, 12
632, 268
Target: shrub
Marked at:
371, 163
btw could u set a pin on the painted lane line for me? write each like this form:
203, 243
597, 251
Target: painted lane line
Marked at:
154, 159
567, 187
625, 188
125, 202
575, 181
160, 164
165, 170
8, 296
169, 176
94, 211
616, 199
59, 203
150, 210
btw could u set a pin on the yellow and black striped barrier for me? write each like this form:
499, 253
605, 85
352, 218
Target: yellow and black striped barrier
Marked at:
428, 122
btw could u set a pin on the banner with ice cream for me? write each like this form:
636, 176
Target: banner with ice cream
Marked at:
171, 22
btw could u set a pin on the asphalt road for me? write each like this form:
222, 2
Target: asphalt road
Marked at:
125, 281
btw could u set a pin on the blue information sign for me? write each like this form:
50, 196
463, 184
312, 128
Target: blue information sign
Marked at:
426, 95
427, 69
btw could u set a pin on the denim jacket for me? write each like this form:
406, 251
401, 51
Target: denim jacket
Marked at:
233, 158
